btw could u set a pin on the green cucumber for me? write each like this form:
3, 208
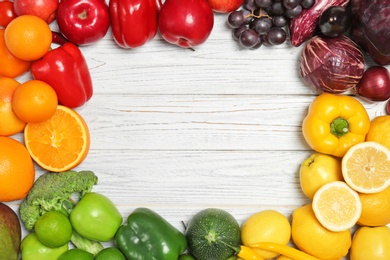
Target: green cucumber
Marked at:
213, 234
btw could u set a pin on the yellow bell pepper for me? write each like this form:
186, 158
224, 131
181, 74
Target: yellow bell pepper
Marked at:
335, 123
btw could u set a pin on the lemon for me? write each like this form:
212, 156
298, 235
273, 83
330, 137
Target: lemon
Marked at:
266, 226
379, 130
371, 243
311, 237
53, 229
375, 208
317, 170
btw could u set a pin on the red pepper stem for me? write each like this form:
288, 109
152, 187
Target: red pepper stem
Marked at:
339, 127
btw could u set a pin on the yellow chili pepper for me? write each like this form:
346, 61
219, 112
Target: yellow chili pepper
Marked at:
335, 123
284, 250
248, 253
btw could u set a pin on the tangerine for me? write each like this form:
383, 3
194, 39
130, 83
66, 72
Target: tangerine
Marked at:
17, 173
28, 37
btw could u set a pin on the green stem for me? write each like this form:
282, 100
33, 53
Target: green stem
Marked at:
80, 242
339, 127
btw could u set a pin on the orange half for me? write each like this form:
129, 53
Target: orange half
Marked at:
59, 143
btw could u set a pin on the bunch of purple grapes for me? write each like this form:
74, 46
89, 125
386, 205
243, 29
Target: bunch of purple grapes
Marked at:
264, 21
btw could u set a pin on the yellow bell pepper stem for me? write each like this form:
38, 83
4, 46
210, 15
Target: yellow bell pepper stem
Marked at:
284, 250
248, 253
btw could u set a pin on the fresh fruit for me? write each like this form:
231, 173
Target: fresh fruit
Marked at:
32, 249
110, 253
311, 237
212, 233
186, 23
44, 9
379, 130
336, 206
96, 217
371, 243
17, 173
83, 22
76, 253
34, 101
10, 231
59, 143
264, 21
10, 66
375, 208
10, 124
53, 229
28, 37
366, 167
7, 12
334, 21
266, 226
225, 6
317, 170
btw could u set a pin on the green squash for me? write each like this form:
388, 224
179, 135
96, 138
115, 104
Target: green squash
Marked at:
213, 234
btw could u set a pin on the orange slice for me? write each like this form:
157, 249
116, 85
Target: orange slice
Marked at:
366, 167
336, 206
59, 143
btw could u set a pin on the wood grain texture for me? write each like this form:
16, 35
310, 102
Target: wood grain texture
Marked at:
180, 130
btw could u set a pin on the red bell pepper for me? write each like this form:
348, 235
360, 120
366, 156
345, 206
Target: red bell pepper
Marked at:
134, 22
66, 70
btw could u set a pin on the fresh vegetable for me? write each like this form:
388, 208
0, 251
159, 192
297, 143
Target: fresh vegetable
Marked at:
7, 13
53, 191
284, 250
370, 28
335, 21
10, 233
186, 23
248, 253
83, 22
110, 253
332, 65
66, 70
375, 84
335, 123
147, 235
213, 234
134, 22
371, 243
32, 249
305, 25
95, 217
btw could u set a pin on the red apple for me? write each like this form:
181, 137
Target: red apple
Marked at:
186, 23
225, 6
83, 22
44, 9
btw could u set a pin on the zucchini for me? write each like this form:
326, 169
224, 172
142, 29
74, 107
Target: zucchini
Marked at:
213, 234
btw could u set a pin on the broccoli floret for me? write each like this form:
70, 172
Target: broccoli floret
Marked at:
52, 191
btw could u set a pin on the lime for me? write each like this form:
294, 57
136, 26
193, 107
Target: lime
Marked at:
110, 253
76, 253
53, 229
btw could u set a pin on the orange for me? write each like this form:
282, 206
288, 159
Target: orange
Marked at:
17, 173
59, 143
366, 167
336, 206
28, 37
379, 130
34, 101
9, 123
10, 66
375, 208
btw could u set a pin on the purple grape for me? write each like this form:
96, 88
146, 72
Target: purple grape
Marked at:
306, 4
261, 25
291, 13
238, 31
276, 9
276, 36
263, 3
279, 21
290, 4
236, 19
248, 38
250, 5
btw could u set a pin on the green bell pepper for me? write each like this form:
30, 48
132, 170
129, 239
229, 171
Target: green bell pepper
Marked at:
148, 236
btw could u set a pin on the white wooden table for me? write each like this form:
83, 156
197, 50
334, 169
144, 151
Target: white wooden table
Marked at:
179, 130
